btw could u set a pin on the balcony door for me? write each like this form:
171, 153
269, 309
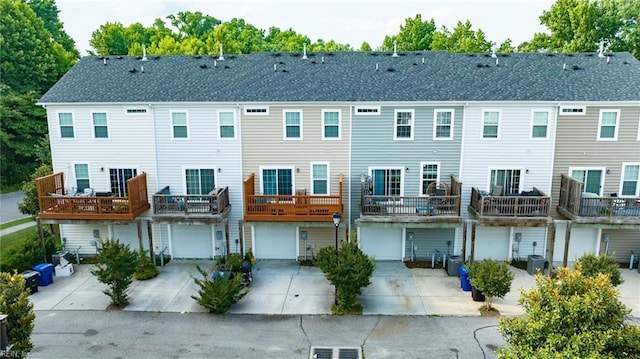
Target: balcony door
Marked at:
591, 177
277, 181
387, 181
118, 179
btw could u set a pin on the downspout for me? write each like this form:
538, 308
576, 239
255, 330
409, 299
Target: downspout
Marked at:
351, 109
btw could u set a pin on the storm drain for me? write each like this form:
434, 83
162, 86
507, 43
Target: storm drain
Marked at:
335, 353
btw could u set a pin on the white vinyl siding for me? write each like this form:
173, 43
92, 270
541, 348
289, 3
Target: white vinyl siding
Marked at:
403, 129
320, 178
292, 125
331, 124
490, 124
430, 172
100, 125
179, 125
65, 121
540, 124
443, 125
629, 185
608, 125
227, 121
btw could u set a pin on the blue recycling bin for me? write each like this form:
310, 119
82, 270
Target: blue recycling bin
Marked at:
46, 273
465, 284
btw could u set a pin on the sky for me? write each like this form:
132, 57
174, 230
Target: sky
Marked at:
350, 21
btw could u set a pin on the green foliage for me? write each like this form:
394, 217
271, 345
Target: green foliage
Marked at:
15, 303
220, 293
414, 35
145, 269
29, 204
115, 266
591, 265
570, 316
250, 257
492, 278
349, 270
234, 260
27, 252
462, 39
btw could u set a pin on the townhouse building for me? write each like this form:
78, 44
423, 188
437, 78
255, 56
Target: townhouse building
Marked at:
417, 154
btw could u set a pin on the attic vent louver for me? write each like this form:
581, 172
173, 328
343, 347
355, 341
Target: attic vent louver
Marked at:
203, 66
390, 69
575, 67
132, 70
479, 65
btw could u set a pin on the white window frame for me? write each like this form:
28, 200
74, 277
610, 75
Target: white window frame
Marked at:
624, 165
395, 124
435, 124
311, 178
247, 110
506, 168
421, 180
603, 170
324, 125
93, 125
118, 167
533, 124
484, 112
284, 125
73, 125
402, 169
235, 125
368, 110
617, 126
199, 168
75, 177
172, 124
277, 167
581, 110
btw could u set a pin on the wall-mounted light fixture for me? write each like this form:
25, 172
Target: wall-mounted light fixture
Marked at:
219, 169
608, 171
407, 169
526, 171
297, 169
101, 169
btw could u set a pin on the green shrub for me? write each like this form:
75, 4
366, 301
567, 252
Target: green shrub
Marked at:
591, 265
145, 269
14, 302
115, 266
349, 270
234, 260
220, 293
27, 252
492, 278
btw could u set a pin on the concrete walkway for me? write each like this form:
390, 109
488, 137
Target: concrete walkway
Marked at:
284, 287
4, 232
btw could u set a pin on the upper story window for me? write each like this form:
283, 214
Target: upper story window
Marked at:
277, 181
403, 125
320, 178
100, 127
81, 173
293, 125
540, 124
629, 186
490, 124
443, 125
430, 173
608, 125
504, 182
331, 124
227, 121
65, 120
387, 181
200, 180
367, 110
256, 111
179, 124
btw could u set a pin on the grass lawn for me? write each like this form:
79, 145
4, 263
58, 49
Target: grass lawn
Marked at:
17, 222
8, 240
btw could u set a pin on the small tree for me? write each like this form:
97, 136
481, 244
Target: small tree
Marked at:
145, 269
115, 266
591, 265
349, 270
220, 293
29, 204
570, 316
14, 302
492, 278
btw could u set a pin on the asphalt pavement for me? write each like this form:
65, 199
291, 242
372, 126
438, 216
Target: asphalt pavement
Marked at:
9, 206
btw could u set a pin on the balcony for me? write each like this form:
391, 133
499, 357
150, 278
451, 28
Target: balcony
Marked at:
585, 207
442, 205
57, 205
528, 208
212, 207
289, 208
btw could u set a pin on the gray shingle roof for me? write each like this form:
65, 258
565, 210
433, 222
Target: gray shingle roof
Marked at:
351, 76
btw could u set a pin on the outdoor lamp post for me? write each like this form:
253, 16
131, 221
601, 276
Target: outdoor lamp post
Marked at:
336, 223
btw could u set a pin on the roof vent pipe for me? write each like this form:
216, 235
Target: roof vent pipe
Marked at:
215, 63
608, 59
141, 68
564, 66
376, 67
275, 67
423, 60
323, 59
144, 53
493, 52
304, 51
395, 49
601, 50
221, 57
497, 62
104, 61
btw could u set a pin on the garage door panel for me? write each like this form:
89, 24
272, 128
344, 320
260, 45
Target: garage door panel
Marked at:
492, 242
192, 241
275, 242
381, 243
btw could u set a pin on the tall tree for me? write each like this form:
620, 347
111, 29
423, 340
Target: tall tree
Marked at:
286, 41
110, 39
47, 11
238, 37
193, 24
462, 39
415, 34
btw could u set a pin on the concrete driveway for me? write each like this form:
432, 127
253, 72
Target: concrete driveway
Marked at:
285, 287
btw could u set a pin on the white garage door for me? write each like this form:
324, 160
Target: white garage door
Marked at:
195, 241
381, 243
128, 234
275, 242
491, 242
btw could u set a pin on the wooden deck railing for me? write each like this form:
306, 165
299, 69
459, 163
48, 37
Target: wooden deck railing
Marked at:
312, 208
168, 204
57, 205
577, 203
529, 205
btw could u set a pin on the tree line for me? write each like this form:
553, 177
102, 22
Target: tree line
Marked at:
35, 52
